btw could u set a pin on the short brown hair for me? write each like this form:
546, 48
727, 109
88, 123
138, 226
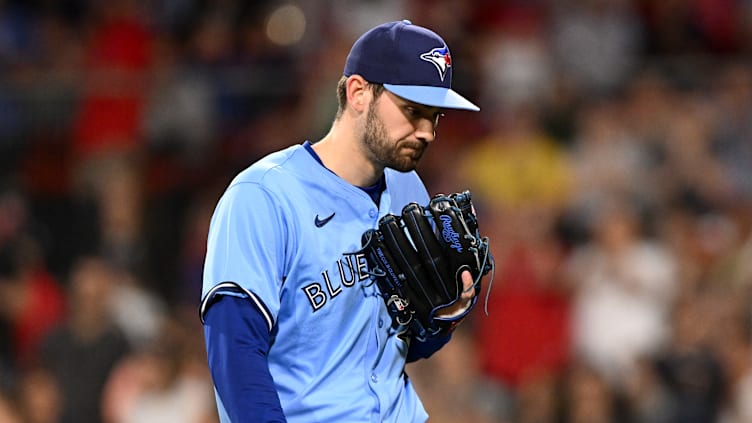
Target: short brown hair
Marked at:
342, 94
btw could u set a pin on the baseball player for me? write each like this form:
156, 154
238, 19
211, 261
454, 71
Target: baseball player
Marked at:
294, 328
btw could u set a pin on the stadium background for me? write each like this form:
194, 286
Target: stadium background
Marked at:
611, 162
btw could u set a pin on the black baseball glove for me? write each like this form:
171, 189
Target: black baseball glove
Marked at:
417, 260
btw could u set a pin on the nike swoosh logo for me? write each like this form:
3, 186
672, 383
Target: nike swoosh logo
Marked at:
321, 222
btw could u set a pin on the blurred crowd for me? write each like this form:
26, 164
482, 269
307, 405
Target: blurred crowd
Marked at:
611, 168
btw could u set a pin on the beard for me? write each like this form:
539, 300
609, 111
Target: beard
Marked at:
400, 155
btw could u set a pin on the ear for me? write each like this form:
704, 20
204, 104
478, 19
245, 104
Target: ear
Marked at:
358, 94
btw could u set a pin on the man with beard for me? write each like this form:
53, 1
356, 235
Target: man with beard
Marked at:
294, 328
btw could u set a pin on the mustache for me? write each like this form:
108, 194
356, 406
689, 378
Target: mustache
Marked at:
415, 145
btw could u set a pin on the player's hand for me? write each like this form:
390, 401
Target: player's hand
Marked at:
464, 302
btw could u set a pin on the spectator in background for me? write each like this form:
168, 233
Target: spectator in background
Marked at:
515, 60
709, 248
166, 381
516, 165
690, 368
81, 353
31, 301
179, 116
135, 310
606, 162
690, 173
523, 344
524, 341
625, 285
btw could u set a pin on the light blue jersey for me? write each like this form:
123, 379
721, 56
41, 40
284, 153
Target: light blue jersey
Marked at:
286, 230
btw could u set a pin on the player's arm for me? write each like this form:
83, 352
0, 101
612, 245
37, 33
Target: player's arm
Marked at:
242, 278
237, 341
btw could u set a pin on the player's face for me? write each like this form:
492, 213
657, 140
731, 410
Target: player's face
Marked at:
397, 131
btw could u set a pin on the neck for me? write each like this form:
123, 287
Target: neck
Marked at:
344, 155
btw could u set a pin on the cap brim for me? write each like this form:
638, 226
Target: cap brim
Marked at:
446, 98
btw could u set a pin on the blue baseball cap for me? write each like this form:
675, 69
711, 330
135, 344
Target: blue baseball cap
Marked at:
410, 61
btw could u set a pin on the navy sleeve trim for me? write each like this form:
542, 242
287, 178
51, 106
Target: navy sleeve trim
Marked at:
235, 290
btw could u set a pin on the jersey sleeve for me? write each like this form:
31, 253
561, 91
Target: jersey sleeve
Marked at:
237, 343
245, 249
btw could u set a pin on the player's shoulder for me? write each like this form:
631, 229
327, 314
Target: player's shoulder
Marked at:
275, 166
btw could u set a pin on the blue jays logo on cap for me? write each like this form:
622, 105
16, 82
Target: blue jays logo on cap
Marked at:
411, 61
441, 58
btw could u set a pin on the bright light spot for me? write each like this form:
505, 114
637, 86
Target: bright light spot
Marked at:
286, 25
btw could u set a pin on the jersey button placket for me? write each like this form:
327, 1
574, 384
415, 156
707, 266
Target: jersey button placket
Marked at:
374, 378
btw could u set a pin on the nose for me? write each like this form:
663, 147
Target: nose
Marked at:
425, 130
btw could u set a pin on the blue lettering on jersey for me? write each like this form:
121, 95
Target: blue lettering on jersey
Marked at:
352, 268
